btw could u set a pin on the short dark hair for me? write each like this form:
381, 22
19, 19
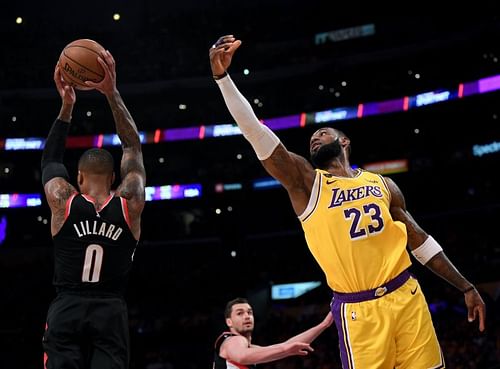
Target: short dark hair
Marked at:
96, 161
230, 304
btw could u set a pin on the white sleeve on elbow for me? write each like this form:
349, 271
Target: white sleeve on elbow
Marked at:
262, 139
427, 250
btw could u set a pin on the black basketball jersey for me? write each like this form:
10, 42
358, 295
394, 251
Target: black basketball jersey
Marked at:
220, 362
94, 249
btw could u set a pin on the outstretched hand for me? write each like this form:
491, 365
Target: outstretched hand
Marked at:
297, 348
67, 93
221, 53
475, 307
108, 84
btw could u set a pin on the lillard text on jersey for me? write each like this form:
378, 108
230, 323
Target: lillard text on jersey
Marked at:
96, 227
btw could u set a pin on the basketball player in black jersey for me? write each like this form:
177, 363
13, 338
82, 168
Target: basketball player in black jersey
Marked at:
235, 350
95, 233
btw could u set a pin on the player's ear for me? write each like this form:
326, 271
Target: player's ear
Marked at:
79, 178
229, 322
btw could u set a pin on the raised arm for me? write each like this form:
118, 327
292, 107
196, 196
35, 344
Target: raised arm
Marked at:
132, 169
428, 252
55, 178
293, 171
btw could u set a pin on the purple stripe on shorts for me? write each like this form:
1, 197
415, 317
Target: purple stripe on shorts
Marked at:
337, 312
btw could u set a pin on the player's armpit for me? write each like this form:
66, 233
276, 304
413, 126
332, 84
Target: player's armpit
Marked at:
291, 170
295, 173
416, 235
132, 190
132, 187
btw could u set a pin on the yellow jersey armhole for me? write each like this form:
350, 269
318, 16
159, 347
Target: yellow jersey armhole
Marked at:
313, 199
389, 194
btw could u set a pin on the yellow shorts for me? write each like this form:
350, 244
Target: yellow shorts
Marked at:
391, 331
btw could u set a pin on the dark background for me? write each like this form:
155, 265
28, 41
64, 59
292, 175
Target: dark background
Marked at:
184, 271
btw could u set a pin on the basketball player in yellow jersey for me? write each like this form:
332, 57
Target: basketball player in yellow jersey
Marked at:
357, 228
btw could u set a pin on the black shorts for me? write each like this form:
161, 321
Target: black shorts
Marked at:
86, 332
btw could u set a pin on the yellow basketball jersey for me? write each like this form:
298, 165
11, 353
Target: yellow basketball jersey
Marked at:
351, 233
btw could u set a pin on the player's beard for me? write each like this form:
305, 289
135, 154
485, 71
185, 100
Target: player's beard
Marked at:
326, 153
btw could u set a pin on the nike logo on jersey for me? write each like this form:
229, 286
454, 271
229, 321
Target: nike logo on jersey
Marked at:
339, 196
330, 182
85, 228
414, 291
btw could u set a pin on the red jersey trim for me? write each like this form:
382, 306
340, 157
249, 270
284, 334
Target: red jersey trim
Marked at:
92, 200
68, 205
125, 211
89, 198
241, 366
45, 356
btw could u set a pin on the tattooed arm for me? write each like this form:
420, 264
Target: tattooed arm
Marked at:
132, 169
438, 263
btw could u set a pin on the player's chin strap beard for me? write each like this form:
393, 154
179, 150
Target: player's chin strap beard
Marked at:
326, 153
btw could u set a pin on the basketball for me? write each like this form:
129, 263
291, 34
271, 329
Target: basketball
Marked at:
78, 63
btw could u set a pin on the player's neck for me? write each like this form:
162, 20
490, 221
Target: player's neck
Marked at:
340, 168
98, 192
247, 335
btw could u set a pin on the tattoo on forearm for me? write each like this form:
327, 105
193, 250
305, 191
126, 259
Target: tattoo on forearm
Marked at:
125, 125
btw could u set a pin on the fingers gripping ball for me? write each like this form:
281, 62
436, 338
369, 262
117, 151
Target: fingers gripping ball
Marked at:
78, 63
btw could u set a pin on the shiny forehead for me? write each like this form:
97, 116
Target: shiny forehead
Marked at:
329, 130
241, 307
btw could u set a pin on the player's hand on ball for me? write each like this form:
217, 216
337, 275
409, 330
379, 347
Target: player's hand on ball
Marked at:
66, 92
108, 85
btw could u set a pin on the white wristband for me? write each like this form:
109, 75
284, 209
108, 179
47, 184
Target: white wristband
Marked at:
262, 139
427, 250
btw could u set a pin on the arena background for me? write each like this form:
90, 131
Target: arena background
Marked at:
237, 238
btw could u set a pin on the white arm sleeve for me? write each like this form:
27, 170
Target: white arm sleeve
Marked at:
262, 139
